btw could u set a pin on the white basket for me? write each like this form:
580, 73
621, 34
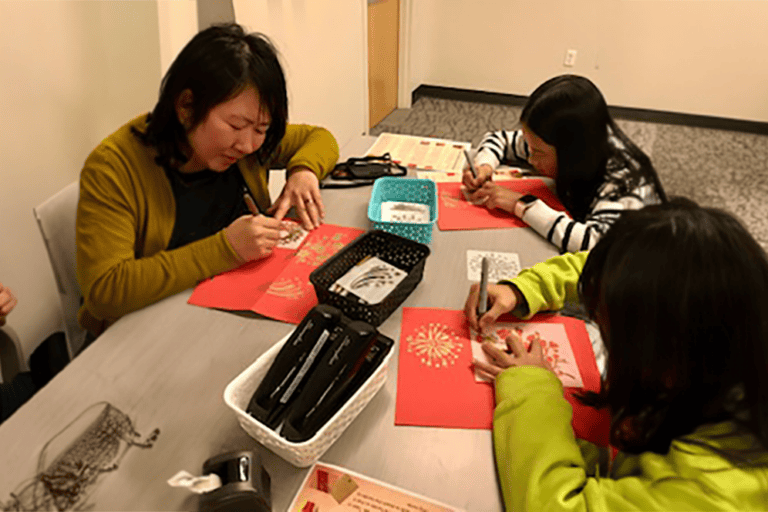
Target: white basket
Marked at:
239, 392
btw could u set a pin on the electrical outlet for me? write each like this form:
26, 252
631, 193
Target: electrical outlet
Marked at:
570, 58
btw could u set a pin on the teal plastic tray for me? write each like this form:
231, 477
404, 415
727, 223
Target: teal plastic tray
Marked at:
407, 190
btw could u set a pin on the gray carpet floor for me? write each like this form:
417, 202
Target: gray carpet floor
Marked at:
724, 169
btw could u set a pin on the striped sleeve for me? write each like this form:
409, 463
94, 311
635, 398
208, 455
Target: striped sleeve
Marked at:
501, 147
572, 236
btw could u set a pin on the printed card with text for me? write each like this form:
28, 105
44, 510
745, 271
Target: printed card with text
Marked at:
421, 152
500, 174
552, 338
330, 488
501, 265
439, 176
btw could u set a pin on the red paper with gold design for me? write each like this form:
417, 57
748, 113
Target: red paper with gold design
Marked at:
278, 286
291, 295
455, 212
237, 289
436, 384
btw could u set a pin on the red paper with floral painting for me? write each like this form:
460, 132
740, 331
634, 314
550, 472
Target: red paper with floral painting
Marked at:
436, 384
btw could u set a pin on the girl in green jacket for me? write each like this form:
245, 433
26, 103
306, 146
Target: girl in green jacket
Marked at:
680, 295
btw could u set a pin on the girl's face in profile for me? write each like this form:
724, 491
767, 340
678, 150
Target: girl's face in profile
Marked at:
543, 157
232, 129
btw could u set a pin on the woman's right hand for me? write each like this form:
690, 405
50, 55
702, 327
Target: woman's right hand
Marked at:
503, 299
484, 173
253, 236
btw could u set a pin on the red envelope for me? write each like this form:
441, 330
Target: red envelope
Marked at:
455, 212
436, 386
278, 286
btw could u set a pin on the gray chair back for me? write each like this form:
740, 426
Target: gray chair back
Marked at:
56, 219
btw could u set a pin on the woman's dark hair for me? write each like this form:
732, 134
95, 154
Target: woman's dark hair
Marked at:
569, 113
216, 65
680, 293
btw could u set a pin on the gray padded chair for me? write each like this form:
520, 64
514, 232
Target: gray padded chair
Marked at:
56, 218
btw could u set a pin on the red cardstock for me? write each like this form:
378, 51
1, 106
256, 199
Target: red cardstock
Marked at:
436, 384
277, 286
455, 212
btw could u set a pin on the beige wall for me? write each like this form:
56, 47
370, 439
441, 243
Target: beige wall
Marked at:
324, 54
178, 22
214, 11
703, 57
71, 72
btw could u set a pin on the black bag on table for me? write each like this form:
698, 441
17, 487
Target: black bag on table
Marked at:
363, 171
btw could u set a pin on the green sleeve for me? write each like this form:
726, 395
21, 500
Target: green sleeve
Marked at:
546, 286
111, 234
307, 146
541, 467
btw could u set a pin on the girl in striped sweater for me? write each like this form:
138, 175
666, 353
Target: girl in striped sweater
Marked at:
568, 135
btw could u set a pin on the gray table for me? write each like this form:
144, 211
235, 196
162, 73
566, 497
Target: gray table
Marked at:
167, 365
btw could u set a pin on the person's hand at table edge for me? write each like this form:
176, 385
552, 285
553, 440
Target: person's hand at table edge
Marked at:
301, 191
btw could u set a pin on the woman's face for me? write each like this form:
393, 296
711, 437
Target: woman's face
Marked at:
231, 130
543, 156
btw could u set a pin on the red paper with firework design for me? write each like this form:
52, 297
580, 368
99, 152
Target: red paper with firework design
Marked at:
237, 289
455, 212
436, 384
278, 286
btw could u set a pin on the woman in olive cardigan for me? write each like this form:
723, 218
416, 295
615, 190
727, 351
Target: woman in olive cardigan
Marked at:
163, 199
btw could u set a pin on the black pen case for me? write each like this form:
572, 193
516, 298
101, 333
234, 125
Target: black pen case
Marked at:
293, 365
310, 412
341, 359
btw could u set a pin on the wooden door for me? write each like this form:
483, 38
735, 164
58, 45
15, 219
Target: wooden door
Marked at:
383, 34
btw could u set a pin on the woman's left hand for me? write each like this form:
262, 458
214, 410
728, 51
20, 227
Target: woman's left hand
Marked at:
501, 360
495, 196
302, 191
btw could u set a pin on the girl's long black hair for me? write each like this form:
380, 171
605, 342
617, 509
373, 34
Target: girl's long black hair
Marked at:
217, 64
569, 113
680, 293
